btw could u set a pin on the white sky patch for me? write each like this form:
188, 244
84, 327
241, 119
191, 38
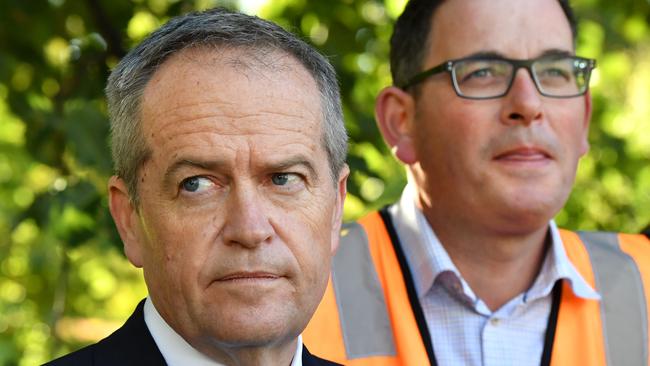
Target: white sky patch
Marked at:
251, 7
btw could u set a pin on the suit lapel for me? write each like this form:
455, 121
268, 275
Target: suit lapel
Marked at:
132, 344
310, 360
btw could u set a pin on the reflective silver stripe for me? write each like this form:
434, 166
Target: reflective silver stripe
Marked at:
360, 298
623, 305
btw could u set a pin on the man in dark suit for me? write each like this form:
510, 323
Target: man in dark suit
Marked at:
132, 344
229, 151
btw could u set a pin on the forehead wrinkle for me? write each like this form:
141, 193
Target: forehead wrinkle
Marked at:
222, 110
223, 123
231, 129
233, 144
213, 99
238, 139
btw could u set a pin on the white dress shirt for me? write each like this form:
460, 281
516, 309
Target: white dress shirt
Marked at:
464, 331
176, 351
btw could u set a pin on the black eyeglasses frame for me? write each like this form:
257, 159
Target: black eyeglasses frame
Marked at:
448, 66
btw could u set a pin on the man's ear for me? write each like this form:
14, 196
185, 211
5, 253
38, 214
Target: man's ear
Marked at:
395, 110
585, 124
337, 218
126, 219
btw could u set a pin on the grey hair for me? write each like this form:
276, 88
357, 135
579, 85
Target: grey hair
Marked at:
213, 28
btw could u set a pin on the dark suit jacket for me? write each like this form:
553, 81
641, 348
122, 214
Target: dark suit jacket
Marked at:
132, 344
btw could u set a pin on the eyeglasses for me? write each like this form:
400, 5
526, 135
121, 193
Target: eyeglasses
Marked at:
491, 77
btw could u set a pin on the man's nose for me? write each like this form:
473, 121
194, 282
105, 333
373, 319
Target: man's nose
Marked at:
523, 101
247, 222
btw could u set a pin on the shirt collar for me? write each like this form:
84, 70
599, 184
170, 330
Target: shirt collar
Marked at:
425, 254
176, 351
558, 266
428, 259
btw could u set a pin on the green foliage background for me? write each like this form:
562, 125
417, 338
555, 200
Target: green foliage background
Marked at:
63, 279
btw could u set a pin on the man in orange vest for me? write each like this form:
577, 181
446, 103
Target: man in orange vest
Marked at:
489, 110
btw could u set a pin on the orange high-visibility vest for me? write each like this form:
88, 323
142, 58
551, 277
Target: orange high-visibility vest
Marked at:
367, 318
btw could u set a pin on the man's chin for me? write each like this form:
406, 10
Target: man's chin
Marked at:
248, 329
527, 215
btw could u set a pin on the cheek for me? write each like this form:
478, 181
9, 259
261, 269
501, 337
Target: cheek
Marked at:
451, 120
178, 245
449, 140
571, 133
307, 231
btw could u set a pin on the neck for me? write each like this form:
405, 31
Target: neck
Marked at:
498, 266
279, 354
184, 344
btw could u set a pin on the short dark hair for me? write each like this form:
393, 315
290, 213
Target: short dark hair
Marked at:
409, 42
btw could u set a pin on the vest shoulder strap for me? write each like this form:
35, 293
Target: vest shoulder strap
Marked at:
360, 298
623, 304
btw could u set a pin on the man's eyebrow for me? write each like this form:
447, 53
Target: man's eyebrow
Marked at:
211, 165
499, 55
293, 161
556, 52
191, 163
486, 54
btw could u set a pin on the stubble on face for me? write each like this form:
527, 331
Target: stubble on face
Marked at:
504, 164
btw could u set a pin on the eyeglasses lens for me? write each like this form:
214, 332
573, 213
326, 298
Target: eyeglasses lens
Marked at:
561, 77
556, 77
482, 78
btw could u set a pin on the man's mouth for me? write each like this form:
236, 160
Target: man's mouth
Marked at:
249, 276
524, 154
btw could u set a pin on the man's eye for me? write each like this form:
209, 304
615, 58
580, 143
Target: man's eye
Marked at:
282, 179
481, 73
196, 184
556, 73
